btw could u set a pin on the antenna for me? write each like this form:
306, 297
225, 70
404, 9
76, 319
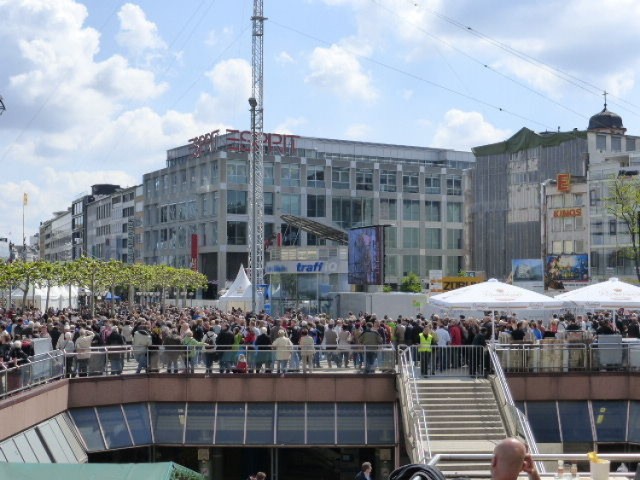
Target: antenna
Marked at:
2, 107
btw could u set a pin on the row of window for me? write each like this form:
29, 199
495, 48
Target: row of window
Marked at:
236, 424
583, 421
616, 143
291, 175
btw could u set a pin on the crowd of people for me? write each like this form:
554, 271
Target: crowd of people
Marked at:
170, 339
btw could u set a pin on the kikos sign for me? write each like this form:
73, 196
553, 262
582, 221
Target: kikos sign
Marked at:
240, 141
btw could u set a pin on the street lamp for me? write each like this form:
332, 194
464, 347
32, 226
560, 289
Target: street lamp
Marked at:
544, 229
253, 103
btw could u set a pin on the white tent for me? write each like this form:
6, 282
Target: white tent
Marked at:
491, 295
607, 295
238, 295
58, 297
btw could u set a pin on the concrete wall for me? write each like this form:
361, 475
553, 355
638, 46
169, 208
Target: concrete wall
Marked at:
574, 386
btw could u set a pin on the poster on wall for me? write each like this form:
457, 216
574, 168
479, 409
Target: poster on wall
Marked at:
527, 270
366, 255
561, 268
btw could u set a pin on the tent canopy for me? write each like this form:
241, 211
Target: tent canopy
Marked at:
240, 288
97, 471
493, 294
610, 294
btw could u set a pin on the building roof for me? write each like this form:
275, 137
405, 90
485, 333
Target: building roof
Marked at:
525, 139
98, 471
605, 119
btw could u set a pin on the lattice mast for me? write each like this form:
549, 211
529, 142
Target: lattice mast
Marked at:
256, 172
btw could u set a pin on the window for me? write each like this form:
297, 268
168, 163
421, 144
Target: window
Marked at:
268, 203
454, 212
316, 206
454, 185
215, 197
631, 144
454, 265
578, 199
410, 182
434, 262
543, 419
388, 209
236, 201
352, 212
454, 238
204, 205
432, 184
432, 211
340, 177
267, 178
434, 238
410, 264
610, 419
390, 265
391, 237
410, 210
237, 172
127, 212
388, 180
215, 173
568, 246
236, 233
290, 204
364, 180
601, 142
616, 144
290, 175
556, 247
411, 237
315, 176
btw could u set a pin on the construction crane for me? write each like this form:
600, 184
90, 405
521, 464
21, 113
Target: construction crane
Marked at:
256, 155
2, 107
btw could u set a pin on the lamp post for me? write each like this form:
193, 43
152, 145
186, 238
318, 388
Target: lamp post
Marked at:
544, 230
253, 103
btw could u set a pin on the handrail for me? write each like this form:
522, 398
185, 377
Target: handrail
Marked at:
510, 406
416, 418
539, 458
36, 372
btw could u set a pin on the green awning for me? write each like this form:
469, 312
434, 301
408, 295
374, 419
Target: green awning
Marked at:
524, 139
97, 471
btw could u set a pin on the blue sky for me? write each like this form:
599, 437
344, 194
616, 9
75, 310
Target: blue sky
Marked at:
96, 91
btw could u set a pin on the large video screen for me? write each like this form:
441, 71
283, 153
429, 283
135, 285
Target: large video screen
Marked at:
568, 267
366, 255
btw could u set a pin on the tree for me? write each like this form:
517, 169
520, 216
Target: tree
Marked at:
411, 283
624, 204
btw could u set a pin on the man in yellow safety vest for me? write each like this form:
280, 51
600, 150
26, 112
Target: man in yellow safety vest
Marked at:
427, 339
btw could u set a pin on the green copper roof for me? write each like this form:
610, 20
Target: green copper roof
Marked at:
525, 139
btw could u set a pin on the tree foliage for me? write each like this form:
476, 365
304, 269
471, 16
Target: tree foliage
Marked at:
411, 283
623, 203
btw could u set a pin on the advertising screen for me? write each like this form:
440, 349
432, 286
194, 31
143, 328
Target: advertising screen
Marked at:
568, 267
526, 270
366, 256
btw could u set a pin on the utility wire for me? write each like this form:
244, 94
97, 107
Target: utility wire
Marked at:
412, 75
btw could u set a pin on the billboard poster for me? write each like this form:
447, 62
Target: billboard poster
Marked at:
574, 268
526, 270
366, 256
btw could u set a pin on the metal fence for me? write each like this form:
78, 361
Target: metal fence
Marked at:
41, 369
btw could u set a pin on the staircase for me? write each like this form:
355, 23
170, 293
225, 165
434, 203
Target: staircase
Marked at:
462, 416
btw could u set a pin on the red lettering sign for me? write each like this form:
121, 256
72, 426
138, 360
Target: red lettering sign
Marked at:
194, 252
568, 212
240, 141
563, 181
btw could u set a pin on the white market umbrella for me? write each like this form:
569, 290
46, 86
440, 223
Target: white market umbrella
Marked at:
611, 294
491, 295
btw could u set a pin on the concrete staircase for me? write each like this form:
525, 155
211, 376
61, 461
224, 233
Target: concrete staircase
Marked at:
462, 417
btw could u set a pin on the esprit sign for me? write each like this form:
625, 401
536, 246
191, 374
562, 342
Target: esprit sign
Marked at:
567, 212
240, 141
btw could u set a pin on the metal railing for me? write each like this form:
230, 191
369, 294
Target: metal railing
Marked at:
569, 357
414, 418
581, 459
516, 421
450, 361
41, 369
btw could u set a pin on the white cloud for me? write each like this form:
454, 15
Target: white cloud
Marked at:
218, 37
288, 126
339, 71
464, 130
407, 94
284, 58
621, 83
358, 131
137, 34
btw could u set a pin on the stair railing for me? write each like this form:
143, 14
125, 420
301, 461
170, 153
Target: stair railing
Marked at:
414, 417
517, 422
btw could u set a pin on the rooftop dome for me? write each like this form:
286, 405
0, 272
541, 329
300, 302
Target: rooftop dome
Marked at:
605, 119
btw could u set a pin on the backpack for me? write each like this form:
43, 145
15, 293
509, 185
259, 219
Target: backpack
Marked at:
416, 472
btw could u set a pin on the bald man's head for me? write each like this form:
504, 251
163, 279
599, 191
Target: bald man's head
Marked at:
508, 459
